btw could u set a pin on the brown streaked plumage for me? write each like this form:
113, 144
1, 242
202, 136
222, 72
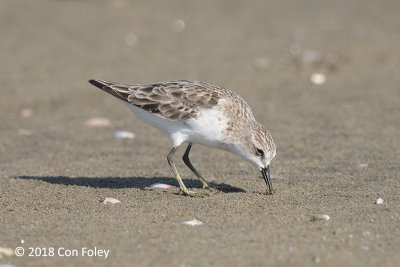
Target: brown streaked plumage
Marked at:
198, 112
176, 100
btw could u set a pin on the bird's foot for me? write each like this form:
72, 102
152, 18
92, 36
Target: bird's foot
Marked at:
270, 191
186, 192
206, 186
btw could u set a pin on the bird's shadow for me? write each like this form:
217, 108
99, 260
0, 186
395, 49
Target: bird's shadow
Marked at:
142, 183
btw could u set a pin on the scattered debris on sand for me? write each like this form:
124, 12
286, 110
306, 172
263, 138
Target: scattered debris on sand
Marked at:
193, 222
111, 200
124, 134
6, 252
159, 185
321, 217
318, 78
379, 201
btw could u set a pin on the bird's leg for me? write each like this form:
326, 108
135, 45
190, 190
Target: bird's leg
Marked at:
192, 168
178, 178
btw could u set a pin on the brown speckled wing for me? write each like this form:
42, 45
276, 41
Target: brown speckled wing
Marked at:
175, 100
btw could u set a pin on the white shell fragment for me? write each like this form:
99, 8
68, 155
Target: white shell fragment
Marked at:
321, 217
318, 78
6, 251
97, 122
178, 25
379, 201
161, 186
111, 200
124, 134
193, 222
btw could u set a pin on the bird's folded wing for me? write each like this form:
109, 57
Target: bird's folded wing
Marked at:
175, 100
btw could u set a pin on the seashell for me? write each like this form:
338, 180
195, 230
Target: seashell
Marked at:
321, 217
111, 200
6, 251
318, 78
159, 185
124, 134
193, 222
379, 201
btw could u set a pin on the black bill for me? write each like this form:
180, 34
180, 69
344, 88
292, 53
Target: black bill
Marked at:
267, 177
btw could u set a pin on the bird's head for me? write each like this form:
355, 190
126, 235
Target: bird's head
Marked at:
258, 148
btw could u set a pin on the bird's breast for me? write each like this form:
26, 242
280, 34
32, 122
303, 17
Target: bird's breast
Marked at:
209, 128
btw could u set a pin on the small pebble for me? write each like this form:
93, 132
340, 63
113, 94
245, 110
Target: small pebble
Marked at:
193, 222
24, 132
321, 217
161, 186
111, 200
6, 251
178, 25
379, 201
26, 112
318, 78
97, 122
124, 134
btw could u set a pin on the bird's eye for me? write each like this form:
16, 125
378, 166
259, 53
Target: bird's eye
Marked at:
259, 152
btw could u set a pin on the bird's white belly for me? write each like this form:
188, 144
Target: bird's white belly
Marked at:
206, 129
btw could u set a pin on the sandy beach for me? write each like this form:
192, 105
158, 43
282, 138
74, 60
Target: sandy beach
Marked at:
321, 76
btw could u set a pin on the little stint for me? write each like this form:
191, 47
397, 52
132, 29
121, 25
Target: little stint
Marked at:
194, 112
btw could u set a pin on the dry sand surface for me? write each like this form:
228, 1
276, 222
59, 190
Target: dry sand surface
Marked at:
338, 141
